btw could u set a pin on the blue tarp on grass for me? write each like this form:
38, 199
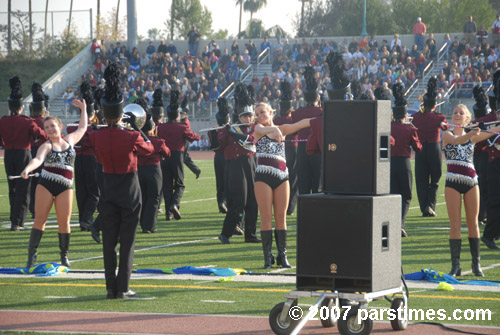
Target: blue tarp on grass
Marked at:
196, 271
439, 277
41, 270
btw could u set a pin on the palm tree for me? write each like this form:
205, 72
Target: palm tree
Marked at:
69, 20
31, 27
9, 33
301, 29
240, 3
116, 21
98, 23
45, 28
254, 6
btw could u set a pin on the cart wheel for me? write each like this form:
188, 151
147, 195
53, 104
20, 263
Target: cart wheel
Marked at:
348, 324
331, 321
398, 324
278, 327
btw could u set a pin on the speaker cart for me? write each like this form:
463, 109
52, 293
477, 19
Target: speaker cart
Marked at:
336, 308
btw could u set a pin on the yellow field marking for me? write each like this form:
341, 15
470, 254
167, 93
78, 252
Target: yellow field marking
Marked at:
199, 287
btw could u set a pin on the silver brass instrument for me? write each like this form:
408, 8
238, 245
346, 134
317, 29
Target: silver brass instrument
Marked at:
138, 111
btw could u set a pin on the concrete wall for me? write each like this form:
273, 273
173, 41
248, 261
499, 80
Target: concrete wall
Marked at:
182, 45
70, 72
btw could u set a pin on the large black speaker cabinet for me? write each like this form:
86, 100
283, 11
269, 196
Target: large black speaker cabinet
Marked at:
348, 243
356, 147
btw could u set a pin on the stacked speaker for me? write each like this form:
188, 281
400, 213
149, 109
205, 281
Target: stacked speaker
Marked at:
349, 237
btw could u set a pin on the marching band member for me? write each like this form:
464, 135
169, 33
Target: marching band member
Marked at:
150, 177
291, 145
55, 186
157, 107
272, 189
17, 131
242, 206
38, 112
428, 161
405, 137
117, 149
481, 114
175, 134
187, 159
222, 117
308, 166
87, 192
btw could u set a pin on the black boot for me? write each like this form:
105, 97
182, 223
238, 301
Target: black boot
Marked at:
64, 247
267, 244
474, 251
35, 237
455, 246
281, 260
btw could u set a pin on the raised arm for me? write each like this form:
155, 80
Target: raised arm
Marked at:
484, 135
273, 132
77, 135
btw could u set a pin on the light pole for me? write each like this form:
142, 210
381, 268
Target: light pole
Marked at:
363, 32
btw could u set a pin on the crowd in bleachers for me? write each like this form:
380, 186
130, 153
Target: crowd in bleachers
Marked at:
203, 77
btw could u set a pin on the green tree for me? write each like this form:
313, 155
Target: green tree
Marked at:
378, 22
254, 6
221, 34
155, 34
189, 13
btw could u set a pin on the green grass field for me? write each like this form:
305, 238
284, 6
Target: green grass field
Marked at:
193, 241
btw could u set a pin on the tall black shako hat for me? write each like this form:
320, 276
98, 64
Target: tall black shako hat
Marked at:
98, 94
496, 88
157, 108
244, 99
381, 94
286, 98
400, 104
112, 101
430, 97
339, 84
149, 123
87, 93
16, 94
310, 87
356, 90
222, 116
480, 108
184, 105
492, 95
173, 109
40, 100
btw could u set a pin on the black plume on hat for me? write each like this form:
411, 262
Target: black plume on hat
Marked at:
158, 98
15, 99
339, 84
381, 94
184, 104
481, 105
86, 90
173, 107
40, 100
432, 92
244, 97
112, 101
310, 89
143, 103
286, 97
400, 103
492, 94
222, 116
113, 77
16, 88
356, 89
98, 94
149, 124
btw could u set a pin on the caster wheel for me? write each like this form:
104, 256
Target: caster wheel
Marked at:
278, 327
331, 320
348, 323
398, 324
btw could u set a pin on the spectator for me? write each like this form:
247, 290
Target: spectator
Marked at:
265, 44
482, 35
447, 41
495, 29
235, 49
68, 97
252, 49
419, 30
96, 50
150, 50
193, 41
431, 43
470, 31
395, 41
171, 49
